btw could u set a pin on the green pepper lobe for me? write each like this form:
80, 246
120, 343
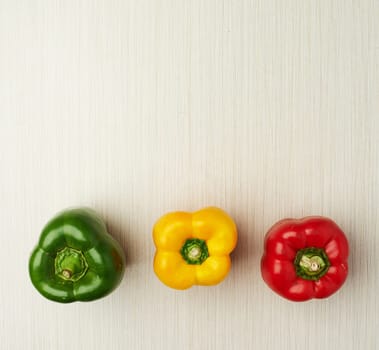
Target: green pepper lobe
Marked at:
76, 259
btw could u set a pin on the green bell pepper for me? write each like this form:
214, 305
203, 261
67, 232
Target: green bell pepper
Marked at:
76, 259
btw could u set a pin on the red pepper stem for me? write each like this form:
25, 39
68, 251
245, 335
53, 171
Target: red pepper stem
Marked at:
311, 263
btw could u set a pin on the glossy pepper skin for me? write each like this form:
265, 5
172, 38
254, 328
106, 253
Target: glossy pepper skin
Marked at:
75, 258
194, 248
305, 258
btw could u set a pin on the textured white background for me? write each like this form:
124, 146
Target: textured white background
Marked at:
267, 109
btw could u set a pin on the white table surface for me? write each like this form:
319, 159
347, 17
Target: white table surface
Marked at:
268, 109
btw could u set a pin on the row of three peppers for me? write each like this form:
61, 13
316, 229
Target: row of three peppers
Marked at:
77, 260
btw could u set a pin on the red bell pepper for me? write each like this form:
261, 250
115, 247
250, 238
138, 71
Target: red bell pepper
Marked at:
305, 258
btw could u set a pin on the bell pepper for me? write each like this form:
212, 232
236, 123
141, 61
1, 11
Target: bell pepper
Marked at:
305, 258
75, 258
194, 248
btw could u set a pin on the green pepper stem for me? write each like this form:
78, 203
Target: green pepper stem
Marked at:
70, 264
311, 263
66, 273
194, 251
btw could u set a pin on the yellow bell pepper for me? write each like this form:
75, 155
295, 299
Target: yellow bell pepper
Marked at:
194, 248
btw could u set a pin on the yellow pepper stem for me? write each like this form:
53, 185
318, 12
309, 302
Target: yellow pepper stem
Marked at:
194, 251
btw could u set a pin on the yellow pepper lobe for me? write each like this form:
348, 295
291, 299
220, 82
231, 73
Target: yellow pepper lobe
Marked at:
194, 248
173, 271
213, 270
172, 230
217, 228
